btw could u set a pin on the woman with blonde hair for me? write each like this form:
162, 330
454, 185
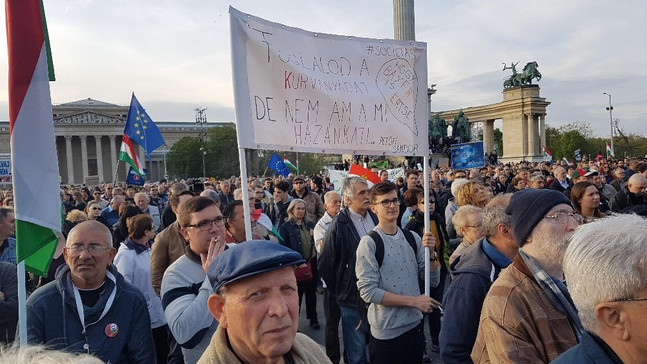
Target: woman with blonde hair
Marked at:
472, 193
468, 221
297, 235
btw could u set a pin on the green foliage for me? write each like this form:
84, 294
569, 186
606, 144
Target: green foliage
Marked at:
498, 141
222, 152
183, 160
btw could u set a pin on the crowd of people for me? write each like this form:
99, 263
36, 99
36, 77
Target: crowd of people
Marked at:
164, 272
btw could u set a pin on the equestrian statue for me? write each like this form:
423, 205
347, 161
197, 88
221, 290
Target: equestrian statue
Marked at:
524, 77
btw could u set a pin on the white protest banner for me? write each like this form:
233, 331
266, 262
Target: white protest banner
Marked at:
311, 92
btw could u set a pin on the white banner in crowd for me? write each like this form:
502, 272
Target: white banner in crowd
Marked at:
311, 92
337, 177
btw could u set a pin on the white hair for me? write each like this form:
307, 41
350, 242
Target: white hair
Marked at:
38, 354
347, 188
457, 184
605, 263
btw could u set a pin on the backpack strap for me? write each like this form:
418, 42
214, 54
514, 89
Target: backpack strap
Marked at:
379, 244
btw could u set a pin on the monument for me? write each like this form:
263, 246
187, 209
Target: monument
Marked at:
522, 112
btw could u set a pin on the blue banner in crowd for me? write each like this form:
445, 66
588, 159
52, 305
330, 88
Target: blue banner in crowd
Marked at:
133, 179
468, 155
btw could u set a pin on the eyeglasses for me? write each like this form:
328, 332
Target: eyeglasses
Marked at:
631, 299
477, 226
208, 224
93, 249
561, 216
96, 208
298, 182
388, 203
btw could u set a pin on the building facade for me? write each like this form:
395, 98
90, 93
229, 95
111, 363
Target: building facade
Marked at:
88, 138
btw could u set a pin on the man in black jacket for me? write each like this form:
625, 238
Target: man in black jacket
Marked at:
337, 263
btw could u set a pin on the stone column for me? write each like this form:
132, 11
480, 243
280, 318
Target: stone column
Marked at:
68, 154
488, 136
84, 156
532, 135
97, 142
524, 135
404, 20
113, 156
542, 130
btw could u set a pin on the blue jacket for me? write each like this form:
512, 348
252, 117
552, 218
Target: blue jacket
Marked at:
9, 251
473, 274
291, 234
591, 350
53, 320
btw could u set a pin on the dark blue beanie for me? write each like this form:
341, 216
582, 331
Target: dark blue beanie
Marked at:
527, 208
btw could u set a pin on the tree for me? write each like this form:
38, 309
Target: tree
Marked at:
222, 152
183, 160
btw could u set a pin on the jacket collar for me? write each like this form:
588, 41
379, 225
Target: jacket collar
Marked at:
138, 248
192, 255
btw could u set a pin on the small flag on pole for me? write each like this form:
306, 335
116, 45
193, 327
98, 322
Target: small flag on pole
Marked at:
128, 154
548, 153
370, 177
290, 165
277, 165
610, 151
566, 160
141, 129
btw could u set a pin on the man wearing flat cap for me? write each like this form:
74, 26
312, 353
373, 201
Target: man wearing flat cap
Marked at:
528, 315
257, 307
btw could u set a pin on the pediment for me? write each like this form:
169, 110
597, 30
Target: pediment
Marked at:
88, 117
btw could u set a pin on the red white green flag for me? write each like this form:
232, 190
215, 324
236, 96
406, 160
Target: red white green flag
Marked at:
290, 165
610, 151
128, 154
33, 144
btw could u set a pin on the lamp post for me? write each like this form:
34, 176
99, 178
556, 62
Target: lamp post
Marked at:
201, 119
610, 108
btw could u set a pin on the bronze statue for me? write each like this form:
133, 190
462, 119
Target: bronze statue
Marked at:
525, 77
437, 127
461, 128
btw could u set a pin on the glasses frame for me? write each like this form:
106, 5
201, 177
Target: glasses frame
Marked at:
208, 224
388, 203
561, 220
636, 299
93, 250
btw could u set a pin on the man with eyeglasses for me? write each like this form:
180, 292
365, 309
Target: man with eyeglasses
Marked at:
392, 286
89, 308
185, 286
610, 292
528, 315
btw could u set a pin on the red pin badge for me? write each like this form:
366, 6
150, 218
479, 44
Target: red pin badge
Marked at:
111, 330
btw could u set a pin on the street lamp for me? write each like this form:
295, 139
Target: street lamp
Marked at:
610, 109
201, 119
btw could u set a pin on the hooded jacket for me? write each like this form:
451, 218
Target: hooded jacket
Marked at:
473, 274
121, 335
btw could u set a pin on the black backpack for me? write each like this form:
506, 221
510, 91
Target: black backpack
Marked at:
362, 307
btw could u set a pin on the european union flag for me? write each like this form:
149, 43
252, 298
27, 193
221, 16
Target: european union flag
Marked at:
141, 129
276, 164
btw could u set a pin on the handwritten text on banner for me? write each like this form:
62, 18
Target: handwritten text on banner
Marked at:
312, 92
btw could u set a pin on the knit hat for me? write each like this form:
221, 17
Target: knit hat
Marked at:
527, 208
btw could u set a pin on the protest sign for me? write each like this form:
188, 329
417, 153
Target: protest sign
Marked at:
468, 155
5, 170
311, 92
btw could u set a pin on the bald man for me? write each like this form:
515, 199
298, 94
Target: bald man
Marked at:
632, 197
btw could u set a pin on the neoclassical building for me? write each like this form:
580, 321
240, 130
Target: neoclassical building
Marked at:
88, 137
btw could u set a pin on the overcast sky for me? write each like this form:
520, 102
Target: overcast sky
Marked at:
175, 55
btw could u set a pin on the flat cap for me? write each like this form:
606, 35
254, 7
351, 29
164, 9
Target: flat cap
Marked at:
248, 259
299, 178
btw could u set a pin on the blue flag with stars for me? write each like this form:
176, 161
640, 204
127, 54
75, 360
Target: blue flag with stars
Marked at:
141, 129
276, 164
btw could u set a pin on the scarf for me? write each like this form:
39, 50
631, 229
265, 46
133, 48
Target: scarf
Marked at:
557, 292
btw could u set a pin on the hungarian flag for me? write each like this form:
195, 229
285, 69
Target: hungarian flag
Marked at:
290, 165
547, 153
610, 151
128, 154
566, 160
370, 177
34, 164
